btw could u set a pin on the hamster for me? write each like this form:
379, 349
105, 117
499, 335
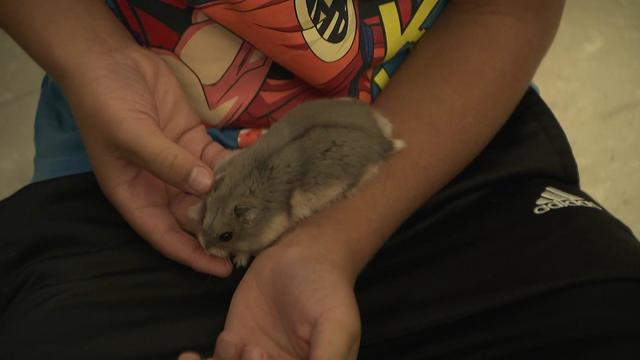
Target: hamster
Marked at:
317, 153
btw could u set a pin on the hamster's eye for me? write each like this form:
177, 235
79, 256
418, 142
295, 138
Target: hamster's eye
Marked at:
225, 237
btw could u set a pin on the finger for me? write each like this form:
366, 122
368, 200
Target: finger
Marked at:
159, 227
189, 356
188, 210
196, 140
226, 349
185, 249
173, 164
335, 338
213, 153
148, 147
354, 350
199, 143
145, 206
251, 352
214, 157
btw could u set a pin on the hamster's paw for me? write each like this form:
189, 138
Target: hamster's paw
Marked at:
241, 259
399, 144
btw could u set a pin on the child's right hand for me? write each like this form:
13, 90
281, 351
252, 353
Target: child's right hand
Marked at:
149, 150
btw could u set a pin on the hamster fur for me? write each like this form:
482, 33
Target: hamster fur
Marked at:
317, 153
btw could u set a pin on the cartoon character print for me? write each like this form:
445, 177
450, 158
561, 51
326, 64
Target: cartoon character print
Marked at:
245, 63
231, 83
317, 40
395, 27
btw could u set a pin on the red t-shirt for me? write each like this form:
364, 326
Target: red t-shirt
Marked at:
244, 63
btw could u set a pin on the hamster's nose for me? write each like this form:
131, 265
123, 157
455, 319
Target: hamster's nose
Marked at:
225, 237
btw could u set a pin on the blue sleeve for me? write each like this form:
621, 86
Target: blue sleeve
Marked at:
59, 148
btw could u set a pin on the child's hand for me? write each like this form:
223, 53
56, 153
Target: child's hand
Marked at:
295, 302
150, 153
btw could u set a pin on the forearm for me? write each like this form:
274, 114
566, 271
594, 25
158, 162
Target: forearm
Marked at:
447, 101
64, 36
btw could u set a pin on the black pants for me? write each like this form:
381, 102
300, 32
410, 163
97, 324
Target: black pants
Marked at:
510, 260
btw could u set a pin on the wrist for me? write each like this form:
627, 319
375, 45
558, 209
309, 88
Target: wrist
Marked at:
94, 85
307, 243
100, 62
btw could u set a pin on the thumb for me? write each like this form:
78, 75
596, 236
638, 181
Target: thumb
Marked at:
173, 164
335, 338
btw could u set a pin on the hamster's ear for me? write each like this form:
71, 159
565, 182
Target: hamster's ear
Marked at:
245, 212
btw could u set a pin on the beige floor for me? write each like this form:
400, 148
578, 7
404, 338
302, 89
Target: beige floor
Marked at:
590, 78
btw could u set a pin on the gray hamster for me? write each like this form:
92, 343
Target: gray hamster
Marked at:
317, 153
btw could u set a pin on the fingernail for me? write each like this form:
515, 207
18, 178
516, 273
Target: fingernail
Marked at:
200, 180
226, 349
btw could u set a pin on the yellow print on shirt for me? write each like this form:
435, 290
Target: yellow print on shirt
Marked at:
396, 37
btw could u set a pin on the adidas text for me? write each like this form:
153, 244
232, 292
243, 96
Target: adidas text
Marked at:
553, 198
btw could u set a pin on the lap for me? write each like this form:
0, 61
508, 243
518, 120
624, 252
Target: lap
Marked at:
79, 283
492, 279
513, 241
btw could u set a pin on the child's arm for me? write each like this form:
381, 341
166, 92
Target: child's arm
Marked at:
65, 37
447, 101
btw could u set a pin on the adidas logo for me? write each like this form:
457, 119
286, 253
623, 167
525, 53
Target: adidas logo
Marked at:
552, 198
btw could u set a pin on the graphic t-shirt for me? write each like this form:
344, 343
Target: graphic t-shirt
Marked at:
243, 64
